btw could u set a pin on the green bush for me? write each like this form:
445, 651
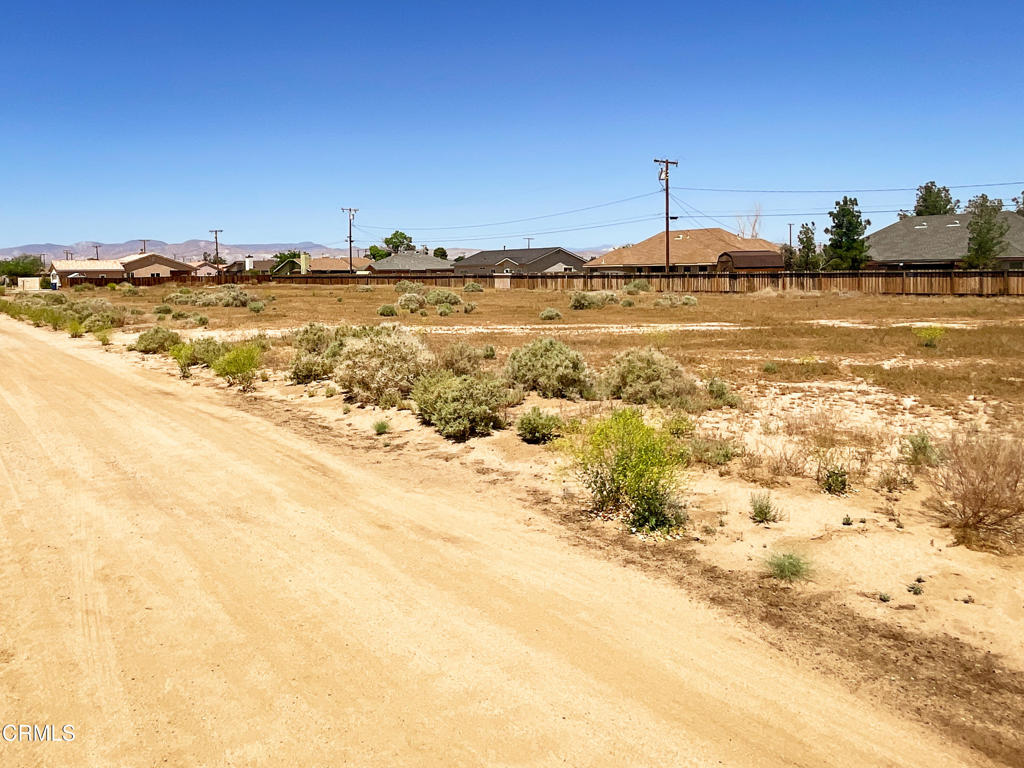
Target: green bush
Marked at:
412, 302
628, 303
75, 329
629, 468
591, 299
834, 480
460, 407
307, 368
472, 288
537, 426
239, 365
674, 300
488, 352
762, 511
721, 394
103, 337
162, 309
313, 338
646, 376
408, 286
382, 427
633, 287
381, 366
713, 452
185, 357
444, 309
787, 566
679, 425
256, 306
156, 340
550, 313
387, 310
930, 335
207, 349
442, 296
920, 451
469, 307
460, 358
550, 368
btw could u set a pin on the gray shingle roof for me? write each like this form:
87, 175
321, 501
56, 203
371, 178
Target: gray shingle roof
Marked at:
411, 262
927, 239
515, 255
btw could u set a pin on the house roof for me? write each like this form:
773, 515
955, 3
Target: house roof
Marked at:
410, 261
687, 247
755, 259
517, 256
238, 265
137, 260
338, 263
929, 239
87, 265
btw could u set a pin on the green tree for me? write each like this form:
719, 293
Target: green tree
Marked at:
285, 255
986, 232
441, 253
807, 257
398, 241
846, 248
788, 256
377, 253
933, 200
1019, 202
25, 265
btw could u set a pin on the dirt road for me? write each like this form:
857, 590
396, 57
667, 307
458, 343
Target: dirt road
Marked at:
190, 585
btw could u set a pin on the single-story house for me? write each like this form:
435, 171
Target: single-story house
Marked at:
322, 265
690, 251
208, 269
938, 242
410, 261
519, 261
250, 264
750, 261
136, 265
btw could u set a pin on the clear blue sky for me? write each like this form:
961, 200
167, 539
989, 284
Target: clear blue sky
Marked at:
162, 120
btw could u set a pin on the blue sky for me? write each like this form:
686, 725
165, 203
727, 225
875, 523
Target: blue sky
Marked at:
127, 120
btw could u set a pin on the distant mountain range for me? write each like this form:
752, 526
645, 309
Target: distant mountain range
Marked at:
193, 250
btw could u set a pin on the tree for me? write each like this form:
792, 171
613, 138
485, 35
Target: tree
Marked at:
788, 256
846, 248
285, 255
377, 253
807, 257
986, 232
441, 253
1019, 202
398, 241
933, 200
25, 265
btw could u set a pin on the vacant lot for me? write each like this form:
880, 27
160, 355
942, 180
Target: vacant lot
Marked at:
796, 395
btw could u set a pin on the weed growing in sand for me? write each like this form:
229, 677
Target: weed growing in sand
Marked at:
75, 329
238, 366
762, 511
103, 336
387, 310
930, 335
472, 288
185, 357
919, 450
915, 589
787, 566
537, 426
884, 597
550, 313
834, 480
382, 427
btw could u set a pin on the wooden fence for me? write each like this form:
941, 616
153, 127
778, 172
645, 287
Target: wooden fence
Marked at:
918, 283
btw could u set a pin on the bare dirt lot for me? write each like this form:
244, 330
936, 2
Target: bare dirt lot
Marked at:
201, 577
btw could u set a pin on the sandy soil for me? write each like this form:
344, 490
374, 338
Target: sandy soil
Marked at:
189, 583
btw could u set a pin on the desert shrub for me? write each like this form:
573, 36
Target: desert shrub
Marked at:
628, 303
369, 288
444, 309
646, 376
980, 490
629, 468
930, 335
550, 313
787, 566
111, 286
382, 427
256, 306
185, 357
238, 365
459, 407
550, 368
408, 286
308, 367
162, 309
314, 338
711, 451
919, 450
103, 336
387, 310
381, 366
488, 352
124, 286
460, 358
95, 323
442, 296
591, 299
537, 426
770, 367
207, 349
156, 340
721, 394
178, 315
673, 300
201, 320
412, 302
834, 479
472, 288
762, 511
469, 307
228, 295
633, 287
678, 425
75, 329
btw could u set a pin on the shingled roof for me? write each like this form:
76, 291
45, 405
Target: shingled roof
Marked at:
410, 261
937, 239
687, 247
518, 256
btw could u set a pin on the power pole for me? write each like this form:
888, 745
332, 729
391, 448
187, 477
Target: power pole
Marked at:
96, 248
663, 176
67, 253
351, 215
790, 235
528, 241
216, 244
143, 246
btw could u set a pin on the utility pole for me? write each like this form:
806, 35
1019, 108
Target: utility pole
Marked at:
67, 253
351, 215
143, 246
663, 176
790, 235
528, 241
96, 249
216, 244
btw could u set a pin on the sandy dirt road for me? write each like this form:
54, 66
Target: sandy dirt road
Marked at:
190, 585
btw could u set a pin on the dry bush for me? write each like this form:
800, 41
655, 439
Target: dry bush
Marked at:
980, 491
381, 366
646, 376
550, 368
460, 358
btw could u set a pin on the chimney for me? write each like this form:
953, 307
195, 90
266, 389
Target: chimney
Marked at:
303, 263
249, 263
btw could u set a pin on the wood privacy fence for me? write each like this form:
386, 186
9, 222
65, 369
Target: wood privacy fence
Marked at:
919, 283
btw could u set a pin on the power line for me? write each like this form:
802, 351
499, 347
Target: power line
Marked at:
529, 218
842, 191
596, 225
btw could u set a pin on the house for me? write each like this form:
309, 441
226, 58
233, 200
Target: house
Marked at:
250, 265
322, 265
520, 260
410, 261
208, 269
690, 251
938, 242
136, 265
750, 261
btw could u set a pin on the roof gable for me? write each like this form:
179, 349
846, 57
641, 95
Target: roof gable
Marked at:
687, 247
925, 239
